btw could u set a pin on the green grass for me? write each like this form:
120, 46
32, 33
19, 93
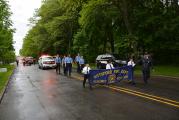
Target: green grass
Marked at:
172, 71
4, 77
164, 70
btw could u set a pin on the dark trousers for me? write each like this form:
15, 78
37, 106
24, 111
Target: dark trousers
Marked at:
146, 75
64, 69
58, 68
86, 76
131, 77
78, 67
68, 68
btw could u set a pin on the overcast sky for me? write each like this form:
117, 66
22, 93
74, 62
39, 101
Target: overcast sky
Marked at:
22, 10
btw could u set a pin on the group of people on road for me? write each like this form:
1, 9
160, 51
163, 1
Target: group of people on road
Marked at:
67, 62
80, 63
145, 61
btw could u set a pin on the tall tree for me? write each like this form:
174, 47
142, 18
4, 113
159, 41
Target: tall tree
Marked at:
6, 32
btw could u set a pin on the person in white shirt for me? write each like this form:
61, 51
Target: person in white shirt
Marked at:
86, 71
132, 64
109, 65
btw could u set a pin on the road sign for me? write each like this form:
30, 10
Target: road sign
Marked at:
3, 69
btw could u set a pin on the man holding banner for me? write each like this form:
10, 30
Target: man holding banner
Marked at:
109, 65
85, 71
132, 65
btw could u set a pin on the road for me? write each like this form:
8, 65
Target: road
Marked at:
35, 94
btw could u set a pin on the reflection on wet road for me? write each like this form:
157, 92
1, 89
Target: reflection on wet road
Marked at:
35, 94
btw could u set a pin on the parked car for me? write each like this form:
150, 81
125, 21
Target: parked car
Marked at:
46, 62
29, 60
102, 60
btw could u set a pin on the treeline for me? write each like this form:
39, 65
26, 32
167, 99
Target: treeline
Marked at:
92, 27
7, 54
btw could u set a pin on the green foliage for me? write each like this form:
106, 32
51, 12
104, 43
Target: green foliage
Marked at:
93, 27
6, 34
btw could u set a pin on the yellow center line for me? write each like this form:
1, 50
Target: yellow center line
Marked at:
154, 99
140, 94
165, 99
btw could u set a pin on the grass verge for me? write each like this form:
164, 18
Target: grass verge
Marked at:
172, 71
164, 70
4, 77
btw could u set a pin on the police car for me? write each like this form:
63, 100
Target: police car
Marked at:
46, 62
102, 60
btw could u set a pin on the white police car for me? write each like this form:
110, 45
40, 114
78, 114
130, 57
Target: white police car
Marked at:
46, 62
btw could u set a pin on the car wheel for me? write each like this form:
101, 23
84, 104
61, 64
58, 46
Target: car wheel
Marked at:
43, 68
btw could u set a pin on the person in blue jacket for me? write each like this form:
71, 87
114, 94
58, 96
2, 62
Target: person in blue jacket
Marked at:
58, 63
82, 63
77, 60
64, 66
68, 64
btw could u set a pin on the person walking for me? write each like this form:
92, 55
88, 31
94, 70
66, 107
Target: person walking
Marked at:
146, 62
23, 61
132, 64
77, 60
81, 63
64, 66
17, 61
109, 65
68, 64
34, 61
58, 63
86, 71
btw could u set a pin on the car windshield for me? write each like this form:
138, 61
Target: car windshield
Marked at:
106, 57
48, 58
99, 57
116, 56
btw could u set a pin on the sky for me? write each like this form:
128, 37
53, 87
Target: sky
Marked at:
22, 10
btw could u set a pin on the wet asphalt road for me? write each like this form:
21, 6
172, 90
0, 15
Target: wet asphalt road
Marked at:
35, 94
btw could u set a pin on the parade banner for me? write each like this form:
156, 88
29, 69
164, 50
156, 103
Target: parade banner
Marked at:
108, 76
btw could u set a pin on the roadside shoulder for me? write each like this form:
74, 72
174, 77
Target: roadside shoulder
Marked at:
7, 83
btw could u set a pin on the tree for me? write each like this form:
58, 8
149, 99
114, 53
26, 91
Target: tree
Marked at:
92, 27
6, 33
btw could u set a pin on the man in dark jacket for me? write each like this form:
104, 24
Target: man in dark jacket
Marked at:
146, 62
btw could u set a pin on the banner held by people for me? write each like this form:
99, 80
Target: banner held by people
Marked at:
108, 76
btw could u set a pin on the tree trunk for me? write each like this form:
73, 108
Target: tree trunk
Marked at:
111, 39
124, 9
